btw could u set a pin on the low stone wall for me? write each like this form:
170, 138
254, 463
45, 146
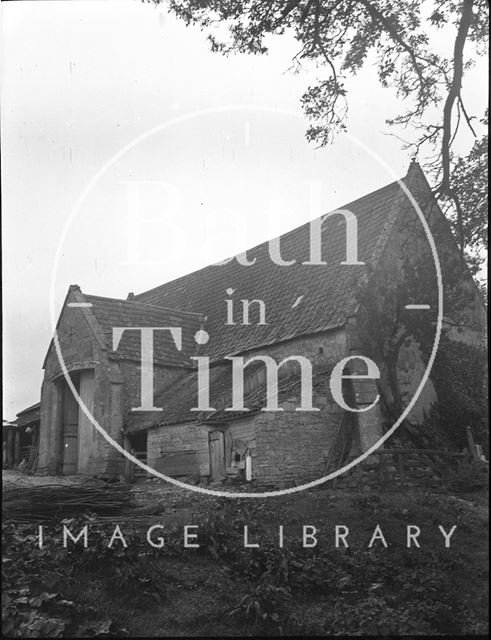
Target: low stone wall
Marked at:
397, 471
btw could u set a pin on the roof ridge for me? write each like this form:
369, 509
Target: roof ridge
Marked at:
265, 242
75, 291
367, 195
383, 238
146, 304
326, 290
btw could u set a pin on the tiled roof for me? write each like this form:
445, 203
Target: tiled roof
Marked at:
111, 313
180, 397
328, 291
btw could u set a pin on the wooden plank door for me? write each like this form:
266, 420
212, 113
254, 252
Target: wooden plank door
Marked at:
217, 455
70, 432
86, 430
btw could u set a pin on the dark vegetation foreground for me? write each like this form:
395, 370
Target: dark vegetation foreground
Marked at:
222, 588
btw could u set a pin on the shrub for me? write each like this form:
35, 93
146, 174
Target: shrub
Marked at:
469, 476
267, 607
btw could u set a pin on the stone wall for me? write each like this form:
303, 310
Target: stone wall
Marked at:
291, 446
241, 435
286, 447
410, 370
324, 348
82, 348
406, 274
117, 389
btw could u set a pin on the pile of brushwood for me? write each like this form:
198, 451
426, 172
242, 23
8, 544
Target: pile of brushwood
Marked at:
56, 501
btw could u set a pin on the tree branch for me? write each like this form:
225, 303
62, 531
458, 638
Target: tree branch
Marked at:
454, 92
375, 14
467, 118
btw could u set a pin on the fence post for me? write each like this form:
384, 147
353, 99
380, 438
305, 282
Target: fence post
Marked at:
128, 466
470, 441
400, 465
10, 447
474, 449
384, 474
16, 447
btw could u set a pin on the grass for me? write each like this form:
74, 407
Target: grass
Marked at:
223, 589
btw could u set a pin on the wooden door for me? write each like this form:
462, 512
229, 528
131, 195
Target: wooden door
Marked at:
70, 432
217, 455
86, 430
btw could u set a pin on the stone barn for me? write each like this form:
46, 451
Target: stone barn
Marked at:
259, 365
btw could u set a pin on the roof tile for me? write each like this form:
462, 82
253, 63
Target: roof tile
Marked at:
111, 313
328, 290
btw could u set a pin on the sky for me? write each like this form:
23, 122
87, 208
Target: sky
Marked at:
132, 155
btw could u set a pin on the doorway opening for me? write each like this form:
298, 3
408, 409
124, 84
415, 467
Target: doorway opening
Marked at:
217, 456
78, 434
138, 447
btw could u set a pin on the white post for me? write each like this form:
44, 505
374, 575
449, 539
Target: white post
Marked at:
248, 467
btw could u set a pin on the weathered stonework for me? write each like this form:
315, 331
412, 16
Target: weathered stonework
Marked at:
330, 322
81, 350
293, 447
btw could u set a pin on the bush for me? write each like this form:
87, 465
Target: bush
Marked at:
469, 476
267, 607
43, 592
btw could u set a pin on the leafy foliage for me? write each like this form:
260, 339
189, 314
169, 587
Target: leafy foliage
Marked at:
363, 592
459, 376
34, 598
340, 37
407, 274
470, 177
469, 476
267, 606
42, 597
59, 592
